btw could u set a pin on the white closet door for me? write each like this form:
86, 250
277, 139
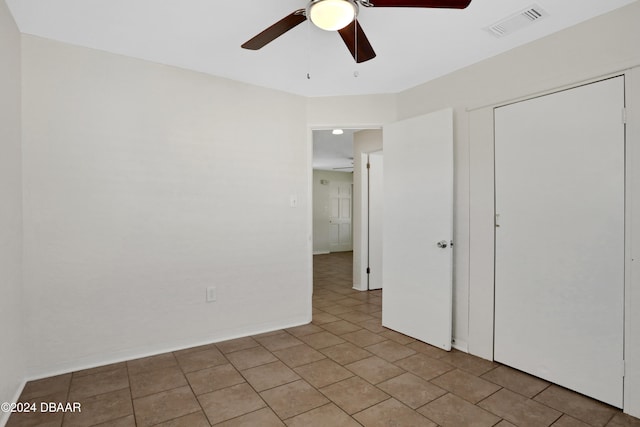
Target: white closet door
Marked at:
559, 291
418, 227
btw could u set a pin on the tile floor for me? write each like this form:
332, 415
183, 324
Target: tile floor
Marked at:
344, 369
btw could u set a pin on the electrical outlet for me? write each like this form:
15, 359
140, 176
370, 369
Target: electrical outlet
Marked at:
211, 294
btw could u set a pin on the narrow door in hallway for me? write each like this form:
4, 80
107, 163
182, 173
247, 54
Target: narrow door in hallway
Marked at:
340, 202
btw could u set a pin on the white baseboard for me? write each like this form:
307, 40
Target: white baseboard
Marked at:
460, 345
140, 353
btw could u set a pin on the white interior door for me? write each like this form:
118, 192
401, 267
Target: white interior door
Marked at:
340, 236
418, 214
376, 212
559, 291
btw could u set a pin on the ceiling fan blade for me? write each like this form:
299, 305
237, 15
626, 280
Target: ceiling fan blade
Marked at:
357, 42
448, 4
276, 30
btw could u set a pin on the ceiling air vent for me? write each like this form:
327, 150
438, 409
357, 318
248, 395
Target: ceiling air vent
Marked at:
519, 20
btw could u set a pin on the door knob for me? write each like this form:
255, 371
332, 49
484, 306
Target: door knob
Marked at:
442, 244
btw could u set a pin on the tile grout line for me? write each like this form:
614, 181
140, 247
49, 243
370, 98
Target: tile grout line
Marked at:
133, 408
191, 387
253, 388
68, 395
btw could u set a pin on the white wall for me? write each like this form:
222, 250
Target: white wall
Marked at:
12, 366
359, 112
365, 141
144, 184
322, 207
601, 46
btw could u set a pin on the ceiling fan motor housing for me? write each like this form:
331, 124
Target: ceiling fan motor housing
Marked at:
332, 15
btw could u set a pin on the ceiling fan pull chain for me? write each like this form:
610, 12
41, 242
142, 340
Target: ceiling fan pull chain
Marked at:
355, 27
355, 73
308, 50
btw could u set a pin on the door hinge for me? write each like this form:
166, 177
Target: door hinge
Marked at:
368, 165
624, 116
368, 270
624, 368
497, 219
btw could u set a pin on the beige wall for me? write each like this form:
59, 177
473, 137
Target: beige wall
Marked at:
12, 367
145, 184
359, 112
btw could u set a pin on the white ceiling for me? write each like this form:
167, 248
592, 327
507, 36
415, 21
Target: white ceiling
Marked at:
205, 35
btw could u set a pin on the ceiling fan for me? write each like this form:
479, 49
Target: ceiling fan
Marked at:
341, 16
350, 159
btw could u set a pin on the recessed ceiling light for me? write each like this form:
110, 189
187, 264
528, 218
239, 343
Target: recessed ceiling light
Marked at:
337, 132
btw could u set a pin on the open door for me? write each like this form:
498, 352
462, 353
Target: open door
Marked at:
418, 227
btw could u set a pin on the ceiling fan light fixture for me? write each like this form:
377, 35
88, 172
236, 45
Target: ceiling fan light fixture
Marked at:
332, 15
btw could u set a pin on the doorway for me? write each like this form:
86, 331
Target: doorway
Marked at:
340, 156
418, 226
332, 190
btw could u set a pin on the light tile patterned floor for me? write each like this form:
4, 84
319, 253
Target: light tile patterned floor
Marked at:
344, 369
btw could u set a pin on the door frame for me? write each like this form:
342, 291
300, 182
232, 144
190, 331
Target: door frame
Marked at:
482, 214
365, 270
